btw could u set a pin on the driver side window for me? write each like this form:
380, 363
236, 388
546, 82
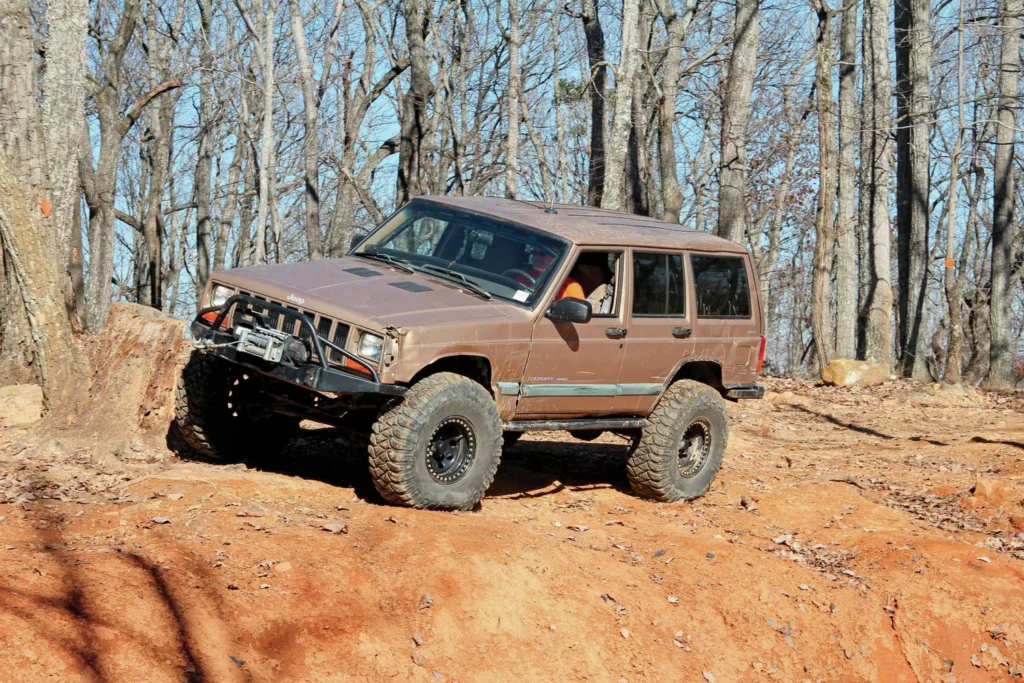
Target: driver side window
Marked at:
595, 278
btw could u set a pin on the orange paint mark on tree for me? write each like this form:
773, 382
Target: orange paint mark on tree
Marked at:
46, 207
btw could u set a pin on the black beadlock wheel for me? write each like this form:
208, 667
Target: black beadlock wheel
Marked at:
214, 413
680, 451
439, 447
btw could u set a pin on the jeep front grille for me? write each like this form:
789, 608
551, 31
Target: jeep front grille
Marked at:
326, 328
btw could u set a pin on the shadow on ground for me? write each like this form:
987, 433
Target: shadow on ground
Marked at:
530, 468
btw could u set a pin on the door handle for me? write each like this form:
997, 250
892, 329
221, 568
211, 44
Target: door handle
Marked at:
616, 332
682, 332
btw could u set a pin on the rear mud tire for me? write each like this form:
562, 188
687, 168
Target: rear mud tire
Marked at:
667, 463
406, 462
214, 416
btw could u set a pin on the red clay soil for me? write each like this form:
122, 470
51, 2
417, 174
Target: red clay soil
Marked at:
842, 541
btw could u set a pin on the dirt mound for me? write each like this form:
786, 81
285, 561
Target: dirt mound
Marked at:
853, 534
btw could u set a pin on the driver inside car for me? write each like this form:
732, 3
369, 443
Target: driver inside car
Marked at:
591, 279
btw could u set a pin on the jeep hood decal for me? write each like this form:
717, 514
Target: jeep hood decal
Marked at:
362, 292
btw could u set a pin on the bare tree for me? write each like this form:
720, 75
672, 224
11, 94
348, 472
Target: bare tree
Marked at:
821, 318
100, 182
597, 87
846, 238
204, 157
913, 178
311, 141
414, 103
1001, 351
615, 157
953, 373
35, 333
512, 100
676, 24
732, 201
875, 158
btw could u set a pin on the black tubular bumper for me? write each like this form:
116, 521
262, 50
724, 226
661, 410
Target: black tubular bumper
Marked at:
744, 391
219, 341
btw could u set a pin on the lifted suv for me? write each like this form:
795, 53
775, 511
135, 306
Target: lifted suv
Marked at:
460, 323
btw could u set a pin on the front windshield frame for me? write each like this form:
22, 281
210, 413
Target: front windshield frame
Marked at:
383, 232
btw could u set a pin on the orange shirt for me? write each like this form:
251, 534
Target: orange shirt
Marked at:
571, 289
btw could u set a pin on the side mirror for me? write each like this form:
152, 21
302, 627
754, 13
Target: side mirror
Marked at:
570, 310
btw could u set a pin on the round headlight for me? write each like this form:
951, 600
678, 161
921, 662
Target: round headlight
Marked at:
370, 346
220, 294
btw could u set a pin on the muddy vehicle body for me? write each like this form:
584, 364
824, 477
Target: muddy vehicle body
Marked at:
460, 323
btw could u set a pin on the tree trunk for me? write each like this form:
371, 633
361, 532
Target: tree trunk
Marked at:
732, 201
615, 158
414, 104
63, 103
311, 144
913, 179
563, 154
35, 335
1001, 344
204, 221
821, 304
639, 194
267, 138
846, 239
230, 208
875, 155
676, 25
152, 229
243, 247
953, 373
598, 92
512, 101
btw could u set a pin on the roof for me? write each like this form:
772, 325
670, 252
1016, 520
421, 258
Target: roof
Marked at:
587, 225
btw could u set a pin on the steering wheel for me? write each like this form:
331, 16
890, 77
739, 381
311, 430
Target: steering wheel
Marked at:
516, 271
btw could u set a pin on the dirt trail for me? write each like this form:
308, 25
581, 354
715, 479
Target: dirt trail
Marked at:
842, 541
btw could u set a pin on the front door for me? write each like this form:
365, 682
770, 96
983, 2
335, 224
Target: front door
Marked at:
573, 369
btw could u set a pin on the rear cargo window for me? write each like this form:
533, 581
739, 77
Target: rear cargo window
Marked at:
658, 285
721, 286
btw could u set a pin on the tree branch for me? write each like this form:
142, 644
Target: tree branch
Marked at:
129, 119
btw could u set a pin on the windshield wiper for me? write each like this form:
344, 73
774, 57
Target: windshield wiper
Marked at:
458, 277
396, 262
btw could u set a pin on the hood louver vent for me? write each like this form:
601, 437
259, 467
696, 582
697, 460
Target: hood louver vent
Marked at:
363, 272
410, 286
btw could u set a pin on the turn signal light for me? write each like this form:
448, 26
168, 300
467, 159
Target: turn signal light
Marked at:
356, 366
210, 317
760, 355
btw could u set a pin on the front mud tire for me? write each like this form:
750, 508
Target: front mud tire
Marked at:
680, 452
439, 448
215, 413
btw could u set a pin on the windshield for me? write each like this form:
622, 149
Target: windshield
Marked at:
489, 256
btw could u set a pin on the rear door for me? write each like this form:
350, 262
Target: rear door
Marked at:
725, 314
660, 327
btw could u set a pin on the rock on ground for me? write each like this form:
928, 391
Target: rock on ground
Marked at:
854, 373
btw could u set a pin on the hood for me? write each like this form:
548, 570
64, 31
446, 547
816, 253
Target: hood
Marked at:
361, 291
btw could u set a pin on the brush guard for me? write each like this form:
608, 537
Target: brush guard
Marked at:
253, 344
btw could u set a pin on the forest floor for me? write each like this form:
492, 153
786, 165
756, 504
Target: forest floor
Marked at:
867, 534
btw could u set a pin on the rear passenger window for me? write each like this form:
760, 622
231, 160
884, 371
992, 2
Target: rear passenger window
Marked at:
721, 286
658, 285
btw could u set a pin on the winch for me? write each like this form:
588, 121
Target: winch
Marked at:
264, 343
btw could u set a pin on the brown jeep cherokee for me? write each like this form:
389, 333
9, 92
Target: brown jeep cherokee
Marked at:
460, 323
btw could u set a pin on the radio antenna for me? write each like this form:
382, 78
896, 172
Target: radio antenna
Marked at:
551, 206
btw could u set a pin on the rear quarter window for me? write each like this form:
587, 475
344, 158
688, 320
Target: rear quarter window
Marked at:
721, 286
